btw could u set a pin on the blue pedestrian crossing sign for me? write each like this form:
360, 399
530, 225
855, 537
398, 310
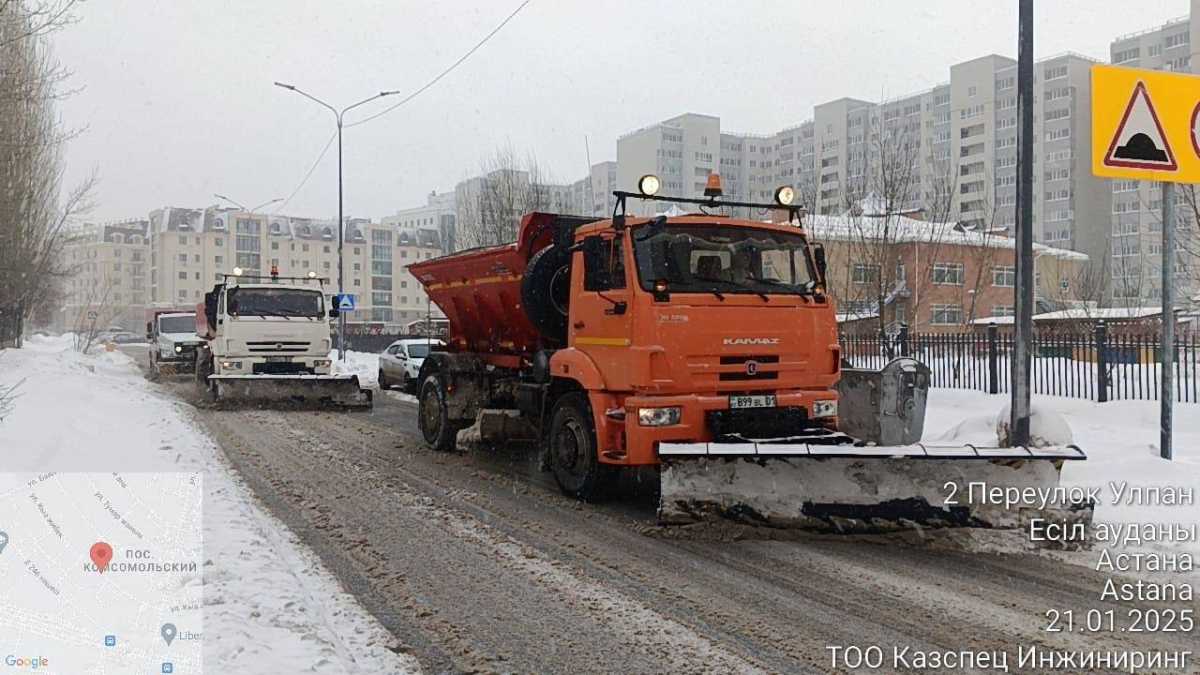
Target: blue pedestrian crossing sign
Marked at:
344, 302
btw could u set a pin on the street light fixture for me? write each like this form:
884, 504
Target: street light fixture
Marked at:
338, 115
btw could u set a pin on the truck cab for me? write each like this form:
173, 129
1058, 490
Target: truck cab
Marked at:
173, 342
265, 326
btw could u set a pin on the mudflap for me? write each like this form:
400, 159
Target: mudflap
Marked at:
341, 391
857, 494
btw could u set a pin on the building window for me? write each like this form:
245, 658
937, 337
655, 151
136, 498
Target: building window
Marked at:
1004, 275
1004, 310
865, 274
183, 276
948, 274
946, 315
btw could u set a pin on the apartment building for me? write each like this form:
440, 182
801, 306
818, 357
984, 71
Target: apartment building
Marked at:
191, 249
439, 214
681, 151
109, 285
1135, 269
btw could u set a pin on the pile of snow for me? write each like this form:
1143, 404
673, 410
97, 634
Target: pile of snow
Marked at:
365, 365
270, 605
1121, 439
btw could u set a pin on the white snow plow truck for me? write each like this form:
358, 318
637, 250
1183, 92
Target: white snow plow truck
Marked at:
173, 342
268, 340
707, 346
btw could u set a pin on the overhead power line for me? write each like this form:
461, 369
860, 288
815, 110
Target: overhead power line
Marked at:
445, 72
404, 100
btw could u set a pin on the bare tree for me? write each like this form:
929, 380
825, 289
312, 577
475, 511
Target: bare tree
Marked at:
490, 206
95, 312
883, 196
33, 206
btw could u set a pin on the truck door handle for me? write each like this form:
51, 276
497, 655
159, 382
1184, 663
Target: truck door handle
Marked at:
578, 325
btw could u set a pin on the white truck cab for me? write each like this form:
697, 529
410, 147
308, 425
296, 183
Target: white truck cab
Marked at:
173, 342
269, 338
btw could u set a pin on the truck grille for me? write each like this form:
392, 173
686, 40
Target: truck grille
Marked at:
749, 373
277, 347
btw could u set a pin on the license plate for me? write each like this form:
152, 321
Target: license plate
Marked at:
278, 359
755, 401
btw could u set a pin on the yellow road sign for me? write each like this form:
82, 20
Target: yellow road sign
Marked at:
1144, 124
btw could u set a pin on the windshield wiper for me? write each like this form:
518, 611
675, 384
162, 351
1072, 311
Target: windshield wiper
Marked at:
720, 295
270, 312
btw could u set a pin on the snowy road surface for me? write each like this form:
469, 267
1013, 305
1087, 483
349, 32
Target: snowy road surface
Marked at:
476, 563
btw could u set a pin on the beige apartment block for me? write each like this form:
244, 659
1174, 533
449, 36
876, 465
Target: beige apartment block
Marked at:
192, 249
109, 285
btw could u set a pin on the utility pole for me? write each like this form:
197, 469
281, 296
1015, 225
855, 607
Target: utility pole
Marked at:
1022, 361
1166, 396
338, 115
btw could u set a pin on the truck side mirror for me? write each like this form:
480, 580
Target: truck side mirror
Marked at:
819, 259
149, 330
333, 312
595, 272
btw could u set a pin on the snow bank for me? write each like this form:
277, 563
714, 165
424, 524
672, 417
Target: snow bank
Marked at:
365, 365
270, 606
1121, 439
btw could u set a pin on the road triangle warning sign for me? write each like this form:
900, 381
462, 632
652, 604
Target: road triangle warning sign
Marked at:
346, 303
1139, 142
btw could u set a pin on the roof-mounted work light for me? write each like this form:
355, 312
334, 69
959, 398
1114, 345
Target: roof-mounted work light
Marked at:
649, 184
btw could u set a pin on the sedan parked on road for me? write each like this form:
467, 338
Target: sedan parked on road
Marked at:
401, 361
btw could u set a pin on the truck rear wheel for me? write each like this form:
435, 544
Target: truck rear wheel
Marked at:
433, 416
573, 456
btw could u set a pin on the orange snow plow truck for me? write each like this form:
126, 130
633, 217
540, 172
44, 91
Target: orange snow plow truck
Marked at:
707, 346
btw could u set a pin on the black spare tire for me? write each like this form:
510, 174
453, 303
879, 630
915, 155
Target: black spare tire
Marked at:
546, 292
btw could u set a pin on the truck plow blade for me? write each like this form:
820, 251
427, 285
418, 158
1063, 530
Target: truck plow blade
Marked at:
857, 489
334, 390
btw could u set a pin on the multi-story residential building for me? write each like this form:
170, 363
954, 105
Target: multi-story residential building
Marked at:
681, 151
1134, 274
191, 249
109, 284
439, 214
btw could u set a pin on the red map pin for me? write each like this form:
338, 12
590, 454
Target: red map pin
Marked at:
101, 555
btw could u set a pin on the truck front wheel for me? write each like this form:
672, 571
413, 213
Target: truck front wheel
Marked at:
573, 456
433, 416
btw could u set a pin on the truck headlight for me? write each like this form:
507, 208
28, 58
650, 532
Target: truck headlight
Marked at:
824, 409
321, 363
231, 365
178, 349
658, 417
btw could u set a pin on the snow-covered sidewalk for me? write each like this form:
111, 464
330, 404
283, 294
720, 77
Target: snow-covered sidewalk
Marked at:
270, 606
1121, 439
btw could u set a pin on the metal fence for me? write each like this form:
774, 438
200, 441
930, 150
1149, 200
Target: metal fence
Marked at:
1098, 366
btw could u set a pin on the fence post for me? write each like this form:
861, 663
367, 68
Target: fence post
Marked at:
1101, 335
993, 333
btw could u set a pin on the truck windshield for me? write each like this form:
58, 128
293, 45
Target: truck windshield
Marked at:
177, 324
722, 259
275, 302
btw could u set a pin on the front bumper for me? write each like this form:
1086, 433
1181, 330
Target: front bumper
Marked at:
627, 442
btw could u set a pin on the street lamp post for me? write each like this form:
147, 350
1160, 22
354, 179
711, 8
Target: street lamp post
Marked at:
338, 115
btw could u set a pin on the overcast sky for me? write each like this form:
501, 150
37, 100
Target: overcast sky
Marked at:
177, 98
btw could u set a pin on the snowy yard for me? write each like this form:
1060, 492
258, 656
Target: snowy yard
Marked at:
270, 606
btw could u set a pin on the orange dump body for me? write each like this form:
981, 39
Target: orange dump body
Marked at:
480, 291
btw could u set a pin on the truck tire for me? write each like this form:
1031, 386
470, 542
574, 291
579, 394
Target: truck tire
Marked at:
546, 290
204, 368
433, 416
572, 443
